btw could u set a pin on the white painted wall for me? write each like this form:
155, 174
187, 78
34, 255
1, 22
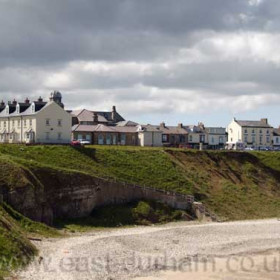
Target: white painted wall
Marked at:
49, 132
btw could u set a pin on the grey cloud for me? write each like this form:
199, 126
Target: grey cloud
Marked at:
40, 39
42, 32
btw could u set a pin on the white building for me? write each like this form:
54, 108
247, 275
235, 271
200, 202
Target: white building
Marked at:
149, 136
276, 137
35, 122
249, 134
216, 137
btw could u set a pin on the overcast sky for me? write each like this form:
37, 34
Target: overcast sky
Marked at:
156, 60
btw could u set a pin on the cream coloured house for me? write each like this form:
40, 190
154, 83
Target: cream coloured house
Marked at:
249, 134
216, 137
149, 136
35, 122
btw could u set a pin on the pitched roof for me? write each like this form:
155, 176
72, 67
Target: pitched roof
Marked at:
85, 115
127, 123
25, 109
103, 128
276, 131
260, 124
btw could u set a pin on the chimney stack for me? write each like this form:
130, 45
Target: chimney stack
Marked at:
2, 103
265, 121
162, 125
27, 101
14, 102
95, 118
40, 99
114, 114
180, 125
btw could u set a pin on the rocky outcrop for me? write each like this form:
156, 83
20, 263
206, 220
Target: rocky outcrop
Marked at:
70, 195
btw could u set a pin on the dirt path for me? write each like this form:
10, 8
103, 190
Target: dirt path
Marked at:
244, 249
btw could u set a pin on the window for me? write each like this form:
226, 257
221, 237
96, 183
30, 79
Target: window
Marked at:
115, 139
47, 122
191, 139
100, 139
221, 139
4, 123
123, 139
13, 123
201, 138
30, 122
108, 139
182, 138
253, 139
277, 140
47, 135
245, 131
246, 139
260, 131
261, 139
253, 131
59, 122
59, 136
24, 123
267, 139
212, 140
164, 138
267, 132
33, 108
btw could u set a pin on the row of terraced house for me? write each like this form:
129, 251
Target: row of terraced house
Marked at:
48, 122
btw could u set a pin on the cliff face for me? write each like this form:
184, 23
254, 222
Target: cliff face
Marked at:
55, 194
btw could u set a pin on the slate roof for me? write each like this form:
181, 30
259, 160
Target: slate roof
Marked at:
85, 115
259, 124
103, 128
127, 123
276, 131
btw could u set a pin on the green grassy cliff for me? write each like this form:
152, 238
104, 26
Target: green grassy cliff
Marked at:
15, 230
235, 185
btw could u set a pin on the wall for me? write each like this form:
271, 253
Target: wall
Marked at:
150, 138
234, 132
53, 112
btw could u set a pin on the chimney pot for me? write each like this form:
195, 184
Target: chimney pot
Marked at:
162, 124
40, 99
180, 125
265, 121
27, 101
14, 102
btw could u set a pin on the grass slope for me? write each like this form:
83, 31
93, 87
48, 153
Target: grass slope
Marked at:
15, 248
235, 185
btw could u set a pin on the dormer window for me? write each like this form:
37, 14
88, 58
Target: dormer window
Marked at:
7, 110
18, 109
33, 108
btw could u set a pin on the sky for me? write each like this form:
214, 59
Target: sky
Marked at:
178, 61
